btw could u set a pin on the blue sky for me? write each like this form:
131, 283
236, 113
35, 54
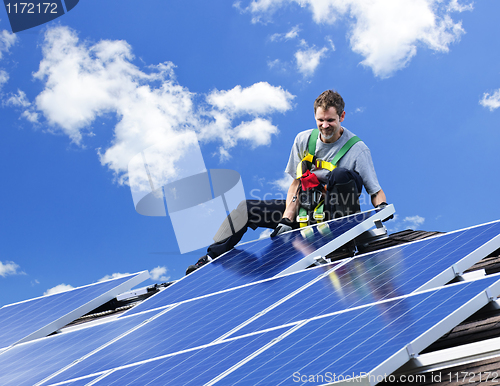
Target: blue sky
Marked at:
83, 94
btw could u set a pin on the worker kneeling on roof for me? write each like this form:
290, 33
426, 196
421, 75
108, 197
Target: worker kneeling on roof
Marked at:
329, 165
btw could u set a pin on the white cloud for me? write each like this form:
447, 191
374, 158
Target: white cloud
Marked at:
330, 42
274, 63
84, 82
265, 233
7, 40
308, 59
385, 32
9, 268
455, 6
158, 274
292, 34
279, 65
20, 100
258, 99
258, 132
58, 288
30, 115
413, 221
116, 275
409, 222
283, 183
255, 102
4, 77
491, 101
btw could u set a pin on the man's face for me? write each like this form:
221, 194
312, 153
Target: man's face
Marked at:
328, 123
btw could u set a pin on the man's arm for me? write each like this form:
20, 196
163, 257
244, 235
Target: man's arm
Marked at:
378, 198
291, 206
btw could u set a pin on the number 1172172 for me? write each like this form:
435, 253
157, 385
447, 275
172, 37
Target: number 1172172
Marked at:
31, 8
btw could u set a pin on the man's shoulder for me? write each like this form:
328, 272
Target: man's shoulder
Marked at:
304, 134
347, 135
302, 138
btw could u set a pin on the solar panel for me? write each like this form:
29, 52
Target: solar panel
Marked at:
172, 369
265, 258
374, 339
370, 319
364, 342
35, 318
291, 298
192, 324
81, 382
386, 273
30, 362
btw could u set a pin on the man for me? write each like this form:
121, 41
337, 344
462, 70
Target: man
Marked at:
344, 183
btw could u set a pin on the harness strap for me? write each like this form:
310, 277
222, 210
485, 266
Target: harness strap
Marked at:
318, 214
313, 138
306, 164
310, 159
303, 217
345, 149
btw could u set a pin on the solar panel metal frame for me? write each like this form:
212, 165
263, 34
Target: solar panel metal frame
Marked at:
81, 310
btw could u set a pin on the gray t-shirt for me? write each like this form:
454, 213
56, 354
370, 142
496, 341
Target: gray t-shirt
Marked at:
358, 158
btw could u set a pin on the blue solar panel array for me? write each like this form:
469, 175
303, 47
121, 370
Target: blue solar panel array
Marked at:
195, 367
261, 259
358, 341
382, 275
21, 320
31, 362
355, 316
353, 341
192, 324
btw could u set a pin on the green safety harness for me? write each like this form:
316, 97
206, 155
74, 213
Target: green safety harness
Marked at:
307, 162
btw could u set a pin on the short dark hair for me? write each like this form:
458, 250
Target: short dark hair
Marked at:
330, 98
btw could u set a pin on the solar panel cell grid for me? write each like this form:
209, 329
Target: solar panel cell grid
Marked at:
191, 324
368, 330
356, 341
377, 276
80, 382
255, 261
190, 368
22, 319
29, 363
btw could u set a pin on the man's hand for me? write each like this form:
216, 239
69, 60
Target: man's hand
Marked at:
382, 205
284, 225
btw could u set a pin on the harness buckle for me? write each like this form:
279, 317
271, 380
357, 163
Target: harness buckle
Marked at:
303, 218
319, 216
